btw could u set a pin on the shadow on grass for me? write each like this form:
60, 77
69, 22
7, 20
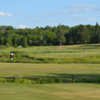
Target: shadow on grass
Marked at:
55, 78
80, 78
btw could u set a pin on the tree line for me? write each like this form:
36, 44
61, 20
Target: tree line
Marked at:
56, 35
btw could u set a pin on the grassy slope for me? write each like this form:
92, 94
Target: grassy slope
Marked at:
50, 92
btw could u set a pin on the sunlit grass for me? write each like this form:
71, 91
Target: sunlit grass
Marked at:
50, 92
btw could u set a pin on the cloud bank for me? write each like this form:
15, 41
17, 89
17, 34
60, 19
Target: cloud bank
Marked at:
5, 14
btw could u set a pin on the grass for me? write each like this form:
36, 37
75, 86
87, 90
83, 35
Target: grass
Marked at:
88, 73
50, 92
54, 54
82, 61
7, 69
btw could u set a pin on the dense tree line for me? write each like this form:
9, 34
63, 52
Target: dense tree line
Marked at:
57, 35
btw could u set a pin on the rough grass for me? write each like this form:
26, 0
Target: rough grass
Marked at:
54, 54
50, 92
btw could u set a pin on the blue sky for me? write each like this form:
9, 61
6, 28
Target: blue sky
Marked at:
32, 13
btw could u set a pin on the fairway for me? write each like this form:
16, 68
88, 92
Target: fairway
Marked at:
50, 92
67, 64
7, 69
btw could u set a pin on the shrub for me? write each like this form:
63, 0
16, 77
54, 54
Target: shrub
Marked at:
3, 80
22, 80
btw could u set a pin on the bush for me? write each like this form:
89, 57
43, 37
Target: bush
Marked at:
3, 80
58, 80
25, 81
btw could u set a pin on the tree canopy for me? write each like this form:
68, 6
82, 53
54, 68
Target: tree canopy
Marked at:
57, 35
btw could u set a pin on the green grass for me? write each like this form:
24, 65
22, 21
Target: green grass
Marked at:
88, 73
82, 61
54, 54
50, 92
7, 69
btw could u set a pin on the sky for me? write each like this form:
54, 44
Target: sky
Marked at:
32, 13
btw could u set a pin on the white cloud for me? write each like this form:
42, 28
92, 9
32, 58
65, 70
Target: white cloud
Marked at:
81, 12
92, 19
5, 14
78, 9
21, 26
83, 6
